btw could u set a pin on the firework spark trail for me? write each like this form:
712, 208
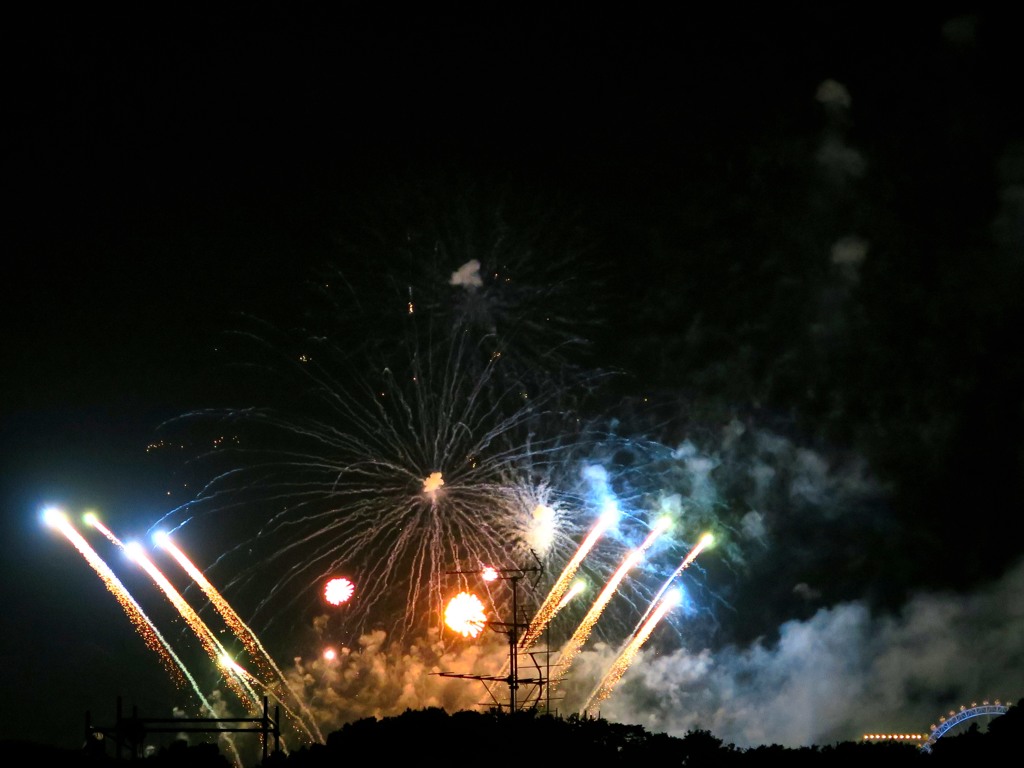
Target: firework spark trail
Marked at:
247, 637
552, 603
143, 624
700, 546
245, 674
210, 643
207, 639
94, 521
629, 651
575, 643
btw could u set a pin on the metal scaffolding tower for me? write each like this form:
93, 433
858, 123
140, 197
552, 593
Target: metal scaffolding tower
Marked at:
512, 629
128, 733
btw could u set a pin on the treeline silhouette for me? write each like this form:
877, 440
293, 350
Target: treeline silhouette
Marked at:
432, 736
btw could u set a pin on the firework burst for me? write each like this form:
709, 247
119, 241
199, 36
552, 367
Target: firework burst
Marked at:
501, 266
465, 614
458, 433
396, 480
338, 591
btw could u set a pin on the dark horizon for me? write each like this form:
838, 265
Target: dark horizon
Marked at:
588, 738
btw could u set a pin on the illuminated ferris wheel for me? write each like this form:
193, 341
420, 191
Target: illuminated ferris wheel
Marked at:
964, 713
945, 723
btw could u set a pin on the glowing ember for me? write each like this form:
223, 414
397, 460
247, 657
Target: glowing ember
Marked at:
433, 484
489, 574
465, 614
330, 654
338, 591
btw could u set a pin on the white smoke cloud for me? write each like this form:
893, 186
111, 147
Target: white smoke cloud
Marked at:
832, 678
377, 678
468, 275
834, 154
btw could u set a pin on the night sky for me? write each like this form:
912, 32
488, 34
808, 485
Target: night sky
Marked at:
796, 239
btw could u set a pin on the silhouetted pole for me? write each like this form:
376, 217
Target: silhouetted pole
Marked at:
547, 668
513, 642
266, 726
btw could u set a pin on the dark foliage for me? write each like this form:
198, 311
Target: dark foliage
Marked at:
432, 736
